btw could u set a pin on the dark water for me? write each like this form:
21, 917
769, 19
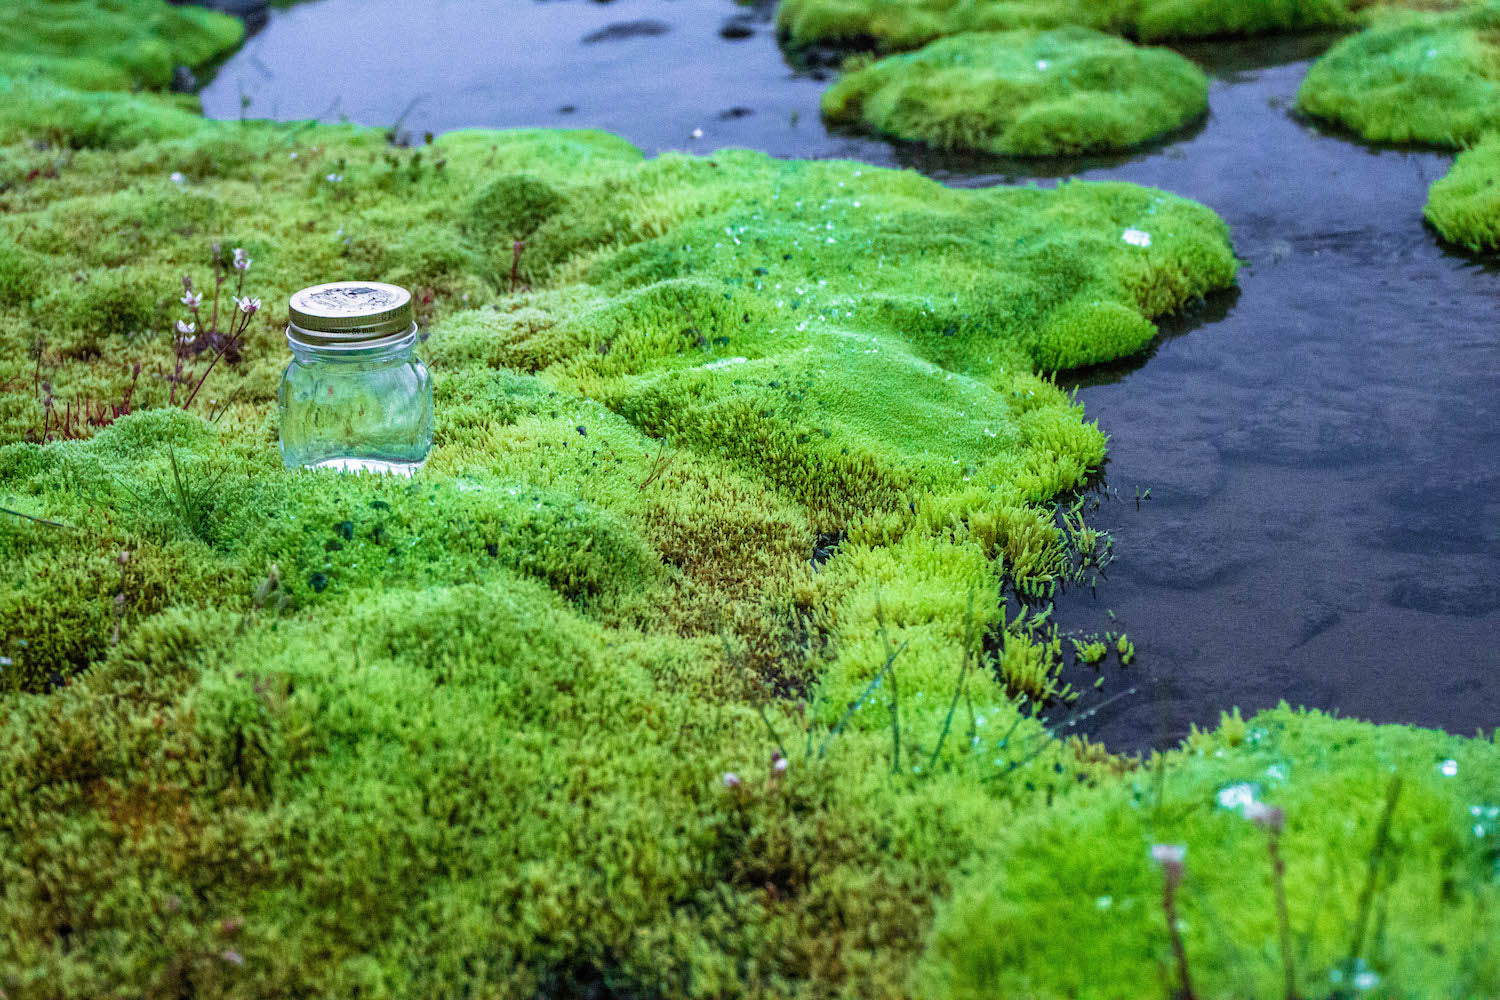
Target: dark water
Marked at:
1324, 515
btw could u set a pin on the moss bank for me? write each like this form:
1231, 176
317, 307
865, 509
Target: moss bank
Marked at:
1464, 206
897, 25
120, 45
1423, 78
736, 459
1024, 93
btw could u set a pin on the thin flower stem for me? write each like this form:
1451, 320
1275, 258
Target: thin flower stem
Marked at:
1283, 921
1179, 951
1367, 895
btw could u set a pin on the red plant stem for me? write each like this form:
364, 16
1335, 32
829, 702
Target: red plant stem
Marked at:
1278, 880
218, 283
1169, 907
220, 349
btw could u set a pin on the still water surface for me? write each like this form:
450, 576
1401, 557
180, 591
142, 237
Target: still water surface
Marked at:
1324, 516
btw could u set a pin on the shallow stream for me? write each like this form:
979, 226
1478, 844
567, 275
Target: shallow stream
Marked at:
1323, 524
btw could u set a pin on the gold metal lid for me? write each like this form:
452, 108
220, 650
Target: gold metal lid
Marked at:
349, 312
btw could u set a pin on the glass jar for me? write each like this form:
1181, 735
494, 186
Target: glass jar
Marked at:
355, 397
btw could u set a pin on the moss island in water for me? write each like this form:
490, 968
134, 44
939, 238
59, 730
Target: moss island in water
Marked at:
735, 461
1464, 206
1419, 78
1024, 93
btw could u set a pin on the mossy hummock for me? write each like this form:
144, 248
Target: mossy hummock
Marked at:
119, 45
1413, 78
1464, 206
1024, 93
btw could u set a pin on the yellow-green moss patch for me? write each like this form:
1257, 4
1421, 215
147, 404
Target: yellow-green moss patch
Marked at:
1464, 206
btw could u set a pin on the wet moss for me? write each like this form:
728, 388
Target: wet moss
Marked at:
1423, 78
897, 25
1085, 866
1464, 206
1023, 93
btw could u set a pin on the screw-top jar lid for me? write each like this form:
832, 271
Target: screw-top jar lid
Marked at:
349, 313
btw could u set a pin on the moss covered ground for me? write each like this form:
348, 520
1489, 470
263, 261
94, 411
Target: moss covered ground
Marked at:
681, 670
1025, 93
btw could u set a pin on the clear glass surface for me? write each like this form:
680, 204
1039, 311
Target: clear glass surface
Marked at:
367, 409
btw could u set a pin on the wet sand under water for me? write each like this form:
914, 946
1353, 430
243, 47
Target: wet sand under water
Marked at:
1324, 517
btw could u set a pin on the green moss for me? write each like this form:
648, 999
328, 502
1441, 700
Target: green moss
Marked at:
1413, 78
896, 25
1024, 93
1082, 871
1464, 206
113, 45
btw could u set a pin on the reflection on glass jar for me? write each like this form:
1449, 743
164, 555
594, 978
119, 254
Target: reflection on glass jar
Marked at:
355, 396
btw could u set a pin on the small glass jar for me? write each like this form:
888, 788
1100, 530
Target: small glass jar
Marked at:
355, 397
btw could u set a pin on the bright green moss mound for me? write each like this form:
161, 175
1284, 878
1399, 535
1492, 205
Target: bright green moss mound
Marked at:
1081, 872
1464, 206
1415, 78
1024, 93
110, 44
897, 25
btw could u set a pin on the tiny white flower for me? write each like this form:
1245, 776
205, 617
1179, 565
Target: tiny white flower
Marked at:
1041, 64
186, 329
177, 177
248, 306
1137, 238
697, 133
292, 156
1168, 854
335, 178
781, 765
192, 301
731, 780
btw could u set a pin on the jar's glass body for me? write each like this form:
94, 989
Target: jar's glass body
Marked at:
362, 408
